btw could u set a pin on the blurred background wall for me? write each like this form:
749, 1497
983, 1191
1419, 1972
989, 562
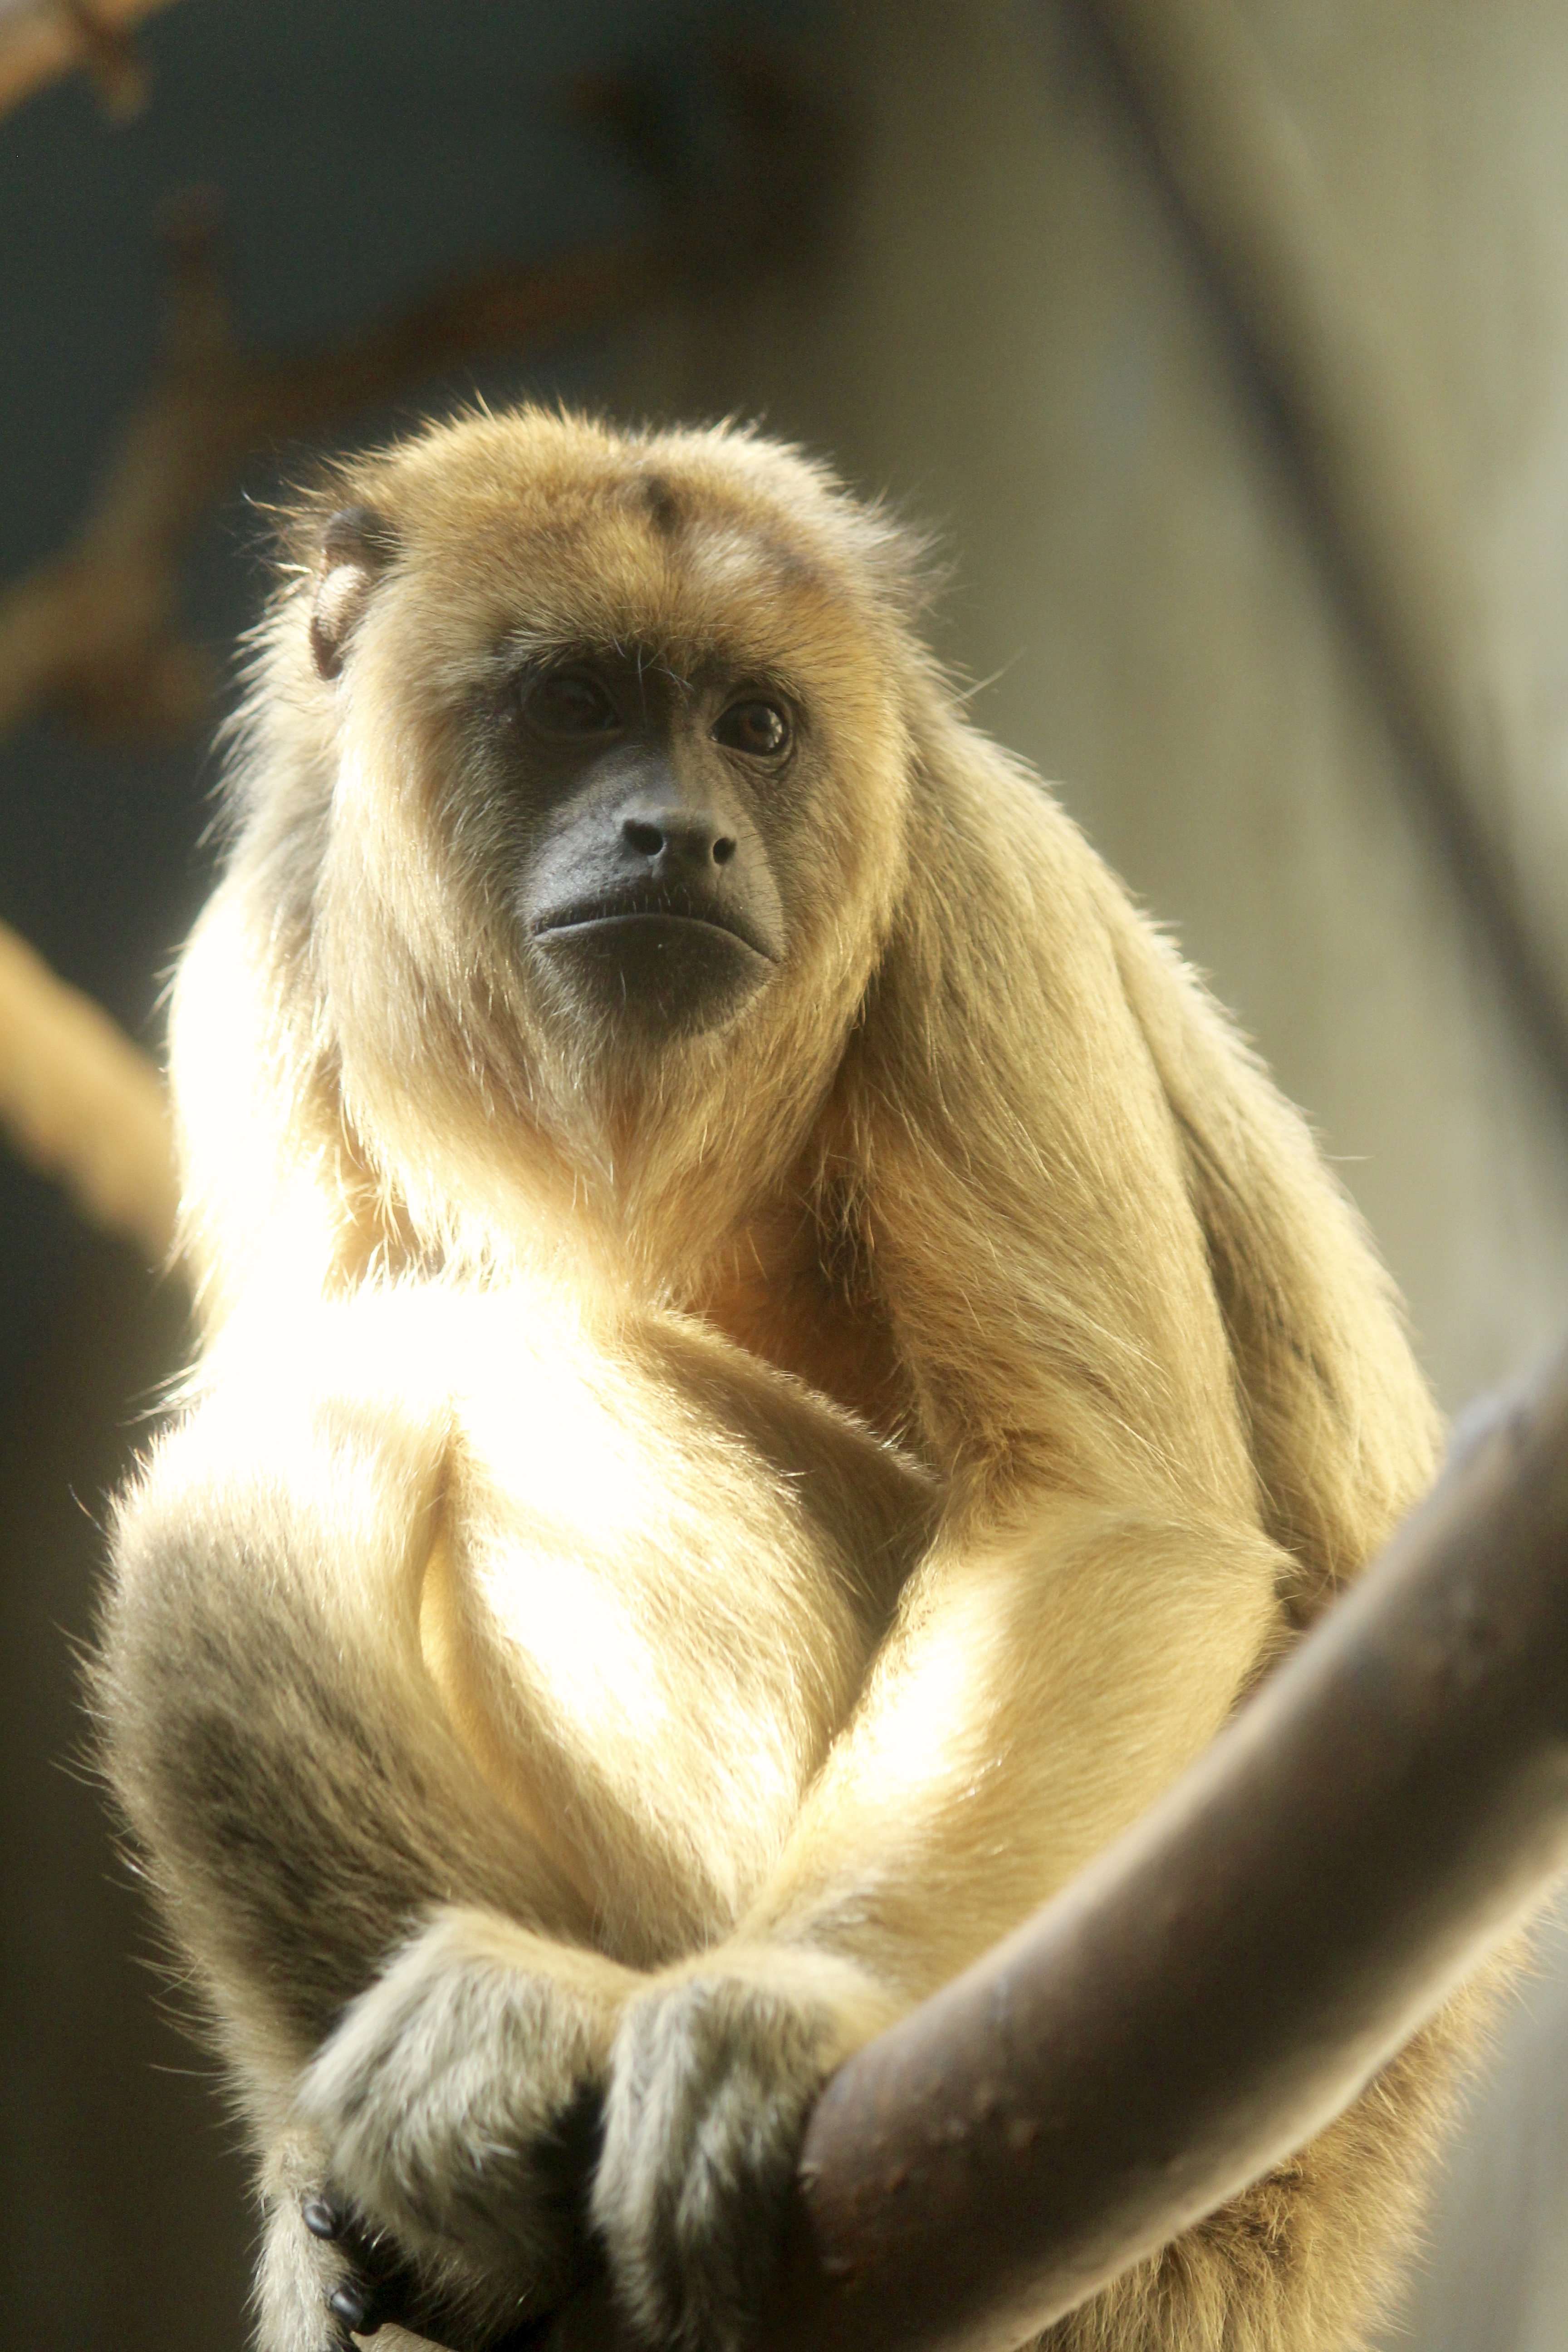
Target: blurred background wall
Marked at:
1007, 324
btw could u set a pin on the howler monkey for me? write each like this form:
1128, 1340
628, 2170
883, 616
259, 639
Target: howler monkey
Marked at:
771, 1371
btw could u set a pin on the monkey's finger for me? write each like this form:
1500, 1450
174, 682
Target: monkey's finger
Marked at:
380, 2287
356, 2305
323, 2218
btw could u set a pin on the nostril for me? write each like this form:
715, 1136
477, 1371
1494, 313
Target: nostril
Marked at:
645, 838
723, 850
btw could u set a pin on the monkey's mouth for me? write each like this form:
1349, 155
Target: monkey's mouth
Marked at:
675, 918
671, 962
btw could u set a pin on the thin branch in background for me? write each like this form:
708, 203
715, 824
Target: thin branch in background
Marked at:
82, 1104
42, 39
111, 58
92, 635
1361, 450
746, 185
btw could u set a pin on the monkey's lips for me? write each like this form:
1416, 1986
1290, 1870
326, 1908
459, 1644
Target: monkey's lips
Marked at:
672, 913
680, 961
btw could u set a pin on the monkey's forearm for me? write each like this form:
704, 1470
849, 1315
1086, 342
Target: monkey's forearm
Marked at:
1000, 1745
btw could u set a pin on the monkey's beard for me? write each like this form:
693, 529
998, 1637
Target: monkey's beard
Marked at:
511, 1114
669, 1136
527, 1126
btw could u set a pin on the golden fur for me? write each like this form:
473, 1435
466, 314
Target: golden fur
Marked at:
670, 1554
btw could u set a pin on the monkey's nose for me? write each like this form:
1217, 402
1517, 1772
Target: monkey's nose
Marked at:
683, 840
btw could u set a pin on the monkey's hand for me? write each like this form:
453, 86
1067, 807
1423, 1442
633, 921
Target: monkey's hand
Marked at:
457, 2103
714, 2072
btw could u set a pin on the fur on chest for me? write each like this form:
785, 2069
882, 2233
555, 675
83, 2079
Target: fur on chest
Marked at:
662, 1573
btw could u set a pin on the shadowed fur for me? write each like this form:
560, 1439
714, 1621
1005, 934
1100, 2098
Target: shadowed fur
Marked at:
700, 1507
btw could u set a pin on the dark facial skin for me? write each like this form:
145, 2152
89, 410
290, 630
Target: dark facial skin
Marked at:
648, 888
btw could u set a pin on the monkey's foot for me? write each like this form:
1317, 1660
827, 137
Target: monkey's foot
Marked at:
380, 2285
712, 2079
457, 2107
382, 2288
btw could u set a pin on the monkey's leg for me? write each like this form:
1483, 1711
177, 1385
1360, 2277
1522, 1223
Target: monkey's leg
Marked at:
351, 1888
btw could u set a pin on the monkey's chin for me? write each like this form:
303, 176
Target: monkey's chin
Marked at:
659, 976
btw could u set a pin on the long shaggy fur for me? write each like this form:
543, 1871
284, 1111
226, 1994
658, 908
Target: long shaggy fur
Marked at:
668, 1554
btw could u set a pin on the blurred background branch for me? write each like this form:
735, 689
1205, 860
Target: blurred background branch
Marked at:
83, 1104
41, 39
92, 635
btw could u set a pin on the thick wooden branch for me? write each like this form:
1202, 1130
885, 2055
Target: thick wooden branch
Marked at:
1228, 1977
1363, 443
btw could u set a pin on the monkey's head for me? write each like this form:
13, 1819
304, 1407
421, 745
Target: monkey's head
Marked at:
575, 772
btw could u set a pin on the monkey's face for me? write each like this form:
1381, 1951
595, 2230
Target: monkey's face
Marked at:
616, 801
656, 813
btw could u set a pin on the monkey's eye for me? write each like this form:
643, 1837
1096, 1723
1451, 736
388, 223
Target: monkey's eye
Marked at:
754, 725
570, 702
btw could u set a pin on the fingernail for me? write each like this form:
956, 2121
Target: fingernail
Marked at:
351, 2307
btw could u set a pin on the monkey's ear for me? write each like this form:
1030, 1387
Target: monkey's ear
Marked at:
356, 545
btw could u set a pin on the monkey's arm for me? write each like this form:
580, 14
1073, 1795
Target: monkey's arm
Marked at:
310, 1812
1031, 1698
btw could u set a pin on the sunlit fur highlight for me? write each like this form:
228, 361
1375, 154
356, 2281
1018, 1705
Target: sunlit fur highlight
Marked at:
670, 1554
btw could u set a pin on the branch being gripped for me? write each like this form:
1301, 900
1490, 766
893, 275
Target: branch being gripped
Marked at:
1232, 1973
